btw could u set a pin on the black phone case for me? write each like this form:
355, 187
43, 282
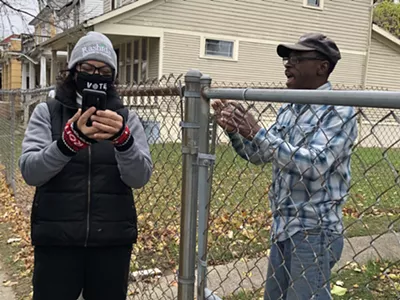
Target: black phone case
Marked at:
93, 98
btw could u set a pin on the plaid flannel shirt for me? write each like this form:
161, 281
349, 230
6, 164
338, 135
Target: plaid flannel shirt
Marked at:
309, 147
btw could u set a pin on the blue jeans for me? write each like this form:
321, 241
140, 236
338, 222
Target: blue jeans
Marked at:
300, 267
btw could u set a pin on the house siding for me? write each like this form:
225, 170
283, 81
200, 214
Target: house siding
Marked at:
106, 5
93, 8
267, 19
383, 66
154, 57
124, 2
185, 21
181, 52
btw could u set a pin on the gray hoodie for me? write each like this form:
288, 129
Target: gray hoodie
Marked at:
41, 158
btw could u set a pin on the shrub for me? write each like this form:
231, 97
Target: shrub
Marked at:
387, 16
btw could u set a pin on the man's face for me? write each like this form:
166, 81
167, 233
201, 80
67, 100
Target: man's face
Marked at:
304, 69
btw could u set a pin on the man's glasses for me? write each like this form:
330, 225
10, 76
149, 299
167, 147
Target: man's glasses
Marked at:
294, 60
91, 69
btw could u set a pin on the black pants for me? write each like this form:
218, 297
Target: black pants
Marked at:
63, 272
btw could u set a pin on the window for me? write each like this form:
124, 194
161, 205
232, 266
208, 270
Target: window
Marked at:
128, 74
116, 4
316, 4
118, 58
214, 48
219, 48
128, 67
136, 61
313, 3
144, 59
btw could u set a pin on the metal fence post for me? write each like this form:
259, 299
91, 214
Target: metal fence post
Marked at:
12, 135
25, 100
205, 161
190, 128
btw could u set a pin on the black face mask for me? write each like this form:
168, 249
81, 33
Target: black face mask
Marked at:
93, 82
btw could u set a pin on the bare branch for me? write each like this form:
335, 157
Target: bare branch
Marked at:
17, 9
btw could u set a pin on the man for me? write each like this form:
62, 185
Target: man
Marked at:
309, 147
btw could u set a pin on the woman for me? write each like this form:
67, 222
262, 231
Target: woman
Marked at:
83, 216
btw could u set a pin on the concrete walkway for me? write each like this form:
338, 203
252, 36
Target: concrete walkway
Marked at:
250, 274
6, 292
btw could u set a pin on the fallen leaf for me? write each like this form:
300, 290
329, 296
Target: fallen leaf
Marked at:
338, 291
10, 283
339, 283
13, 240
394, 276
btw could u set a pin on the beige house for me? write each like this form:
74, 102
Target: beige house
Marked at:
383, 66
42, 64
10, 51
235, 41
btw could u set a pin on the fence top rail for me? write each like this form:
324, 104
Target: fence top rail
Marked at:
149, 91
378, 99
27, 91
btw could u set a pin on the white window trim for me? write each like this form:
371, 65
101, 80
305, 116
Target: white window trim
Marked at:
203, 55
320, 7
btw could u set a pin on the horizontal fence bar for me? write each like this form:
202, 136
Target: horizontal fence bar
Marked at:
148, 91
379, 99
123, 91
27, 91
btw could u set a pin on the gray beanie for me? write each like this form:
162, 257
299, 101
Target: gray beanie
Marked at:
93, 46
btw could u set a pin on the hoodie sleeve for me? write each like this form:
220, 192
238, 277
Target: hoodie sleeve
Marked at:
134, 163
41, 158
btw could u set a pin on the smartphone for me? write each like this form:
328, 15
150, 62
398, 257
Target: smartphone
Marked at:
92, 98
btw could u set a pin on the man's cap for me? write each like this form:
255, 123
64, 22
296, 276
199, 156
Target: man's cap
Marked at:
93, 46
312, 42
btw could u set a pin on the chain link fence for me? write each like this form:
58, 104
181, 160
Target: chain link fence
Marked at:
159, 106
238, 228
234, 218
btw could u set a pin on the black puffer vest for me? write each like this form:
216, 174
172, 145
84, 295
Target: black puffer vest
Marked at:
87, 203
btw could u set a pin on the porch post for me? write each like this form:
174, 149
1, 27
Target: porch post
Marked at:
24, 75
53, 67
32, 85
43, 80
32, 75
69, 50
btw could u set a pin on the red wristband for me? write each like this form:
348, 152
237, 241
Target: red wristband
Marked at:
123, 138
72, 140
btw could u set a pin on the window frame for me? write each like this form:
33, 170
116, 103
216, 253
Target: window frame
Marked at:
114, 4
203, 43
129, 59
320, 7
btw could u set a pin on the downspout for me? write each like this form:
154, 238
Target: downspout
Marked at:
367, 56
366, 64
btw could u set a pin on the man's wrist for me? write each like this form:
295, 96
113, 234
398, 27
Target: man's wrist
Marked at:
253, 132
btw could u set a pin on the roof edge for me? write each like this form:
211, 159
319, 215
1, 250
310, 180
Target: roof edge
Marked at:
387, 35
117, 12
